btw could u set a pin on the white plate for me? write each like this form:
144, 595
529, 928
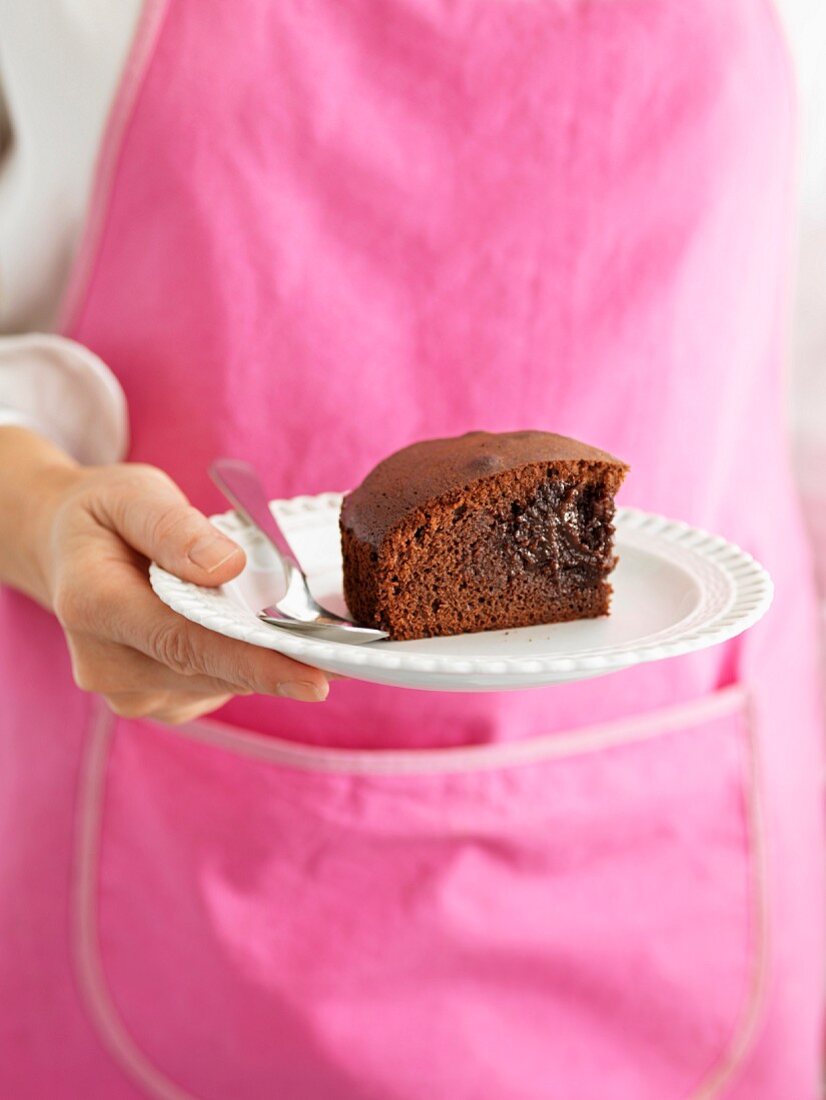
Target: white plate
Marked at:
676, 589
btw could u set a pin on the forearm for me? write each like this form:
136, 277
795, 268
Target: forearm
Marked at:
34, 475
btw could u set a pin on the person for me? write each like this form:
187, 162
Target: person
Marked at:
316, 232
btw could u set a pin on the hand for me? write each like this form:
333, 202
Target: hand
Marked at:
97, 528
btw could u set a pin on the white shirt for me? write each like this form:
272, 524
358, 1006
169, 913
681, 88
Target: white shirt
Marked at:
60, 65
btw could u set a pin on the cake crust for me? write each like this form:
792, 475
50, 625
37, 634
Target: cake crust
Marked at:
424, 471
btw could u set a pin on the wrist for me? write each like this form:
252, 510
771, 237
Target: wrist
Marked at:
35, 479
50, 488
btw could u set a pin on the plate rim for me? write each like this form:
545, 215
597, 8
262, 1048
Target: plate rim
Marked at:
752, 586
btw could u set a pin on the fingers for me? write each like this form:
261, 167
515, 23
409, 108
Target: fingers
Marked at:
108, 668
150, 513
142, 622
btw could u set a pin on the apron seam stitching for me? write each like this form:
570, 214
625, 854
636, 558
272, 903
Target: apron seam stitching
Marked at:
86, 950
745, 1034
719, 704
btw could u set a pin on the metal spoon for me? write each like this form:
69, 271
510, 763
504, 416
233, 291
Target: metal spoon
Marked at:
296, 610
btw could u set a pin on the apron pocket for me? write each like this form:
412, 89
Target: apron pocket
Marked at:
579, 917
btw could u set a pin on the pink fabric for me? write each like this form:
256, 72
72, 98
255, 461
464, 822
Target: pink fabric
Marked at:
330, 229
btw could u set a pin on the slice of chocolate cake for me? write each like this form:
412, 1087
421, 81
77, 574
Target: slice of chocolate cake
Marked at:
481, 532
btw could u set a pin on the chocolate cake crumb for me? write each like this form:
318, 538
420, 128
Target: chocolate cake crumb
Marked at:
481, 532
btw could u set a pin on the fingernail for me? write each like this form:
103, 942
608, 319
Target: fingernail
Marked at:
303, 691
210, 552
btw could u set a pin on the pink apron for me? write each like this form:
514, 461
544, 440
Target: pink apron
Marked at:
323, 229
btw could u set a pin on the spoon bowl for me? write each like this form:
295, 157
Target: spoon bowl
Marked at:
297, 609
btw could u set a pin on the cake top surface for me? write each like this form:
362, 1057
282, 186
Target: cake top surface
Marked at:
411, 477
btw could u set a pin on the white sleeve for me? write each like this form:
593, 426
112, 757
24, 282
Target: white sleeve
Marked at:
805, 25
65, 392
60, 66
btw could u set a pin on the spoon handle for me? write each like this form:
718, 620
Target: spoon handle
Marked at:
241, 485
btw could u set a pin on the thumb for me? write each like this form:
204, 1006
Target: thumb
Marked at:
149, 511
